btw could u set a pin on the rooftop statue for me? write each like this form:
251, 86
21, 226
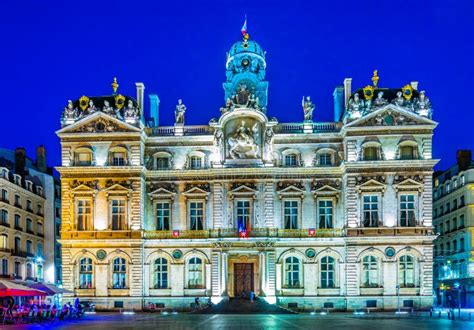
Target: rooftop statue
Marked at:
308, 108
179, 112
379, 101
70, 113
242, 144
422, 105
92, 108
108, 109
355, 107
399, 101
130, 113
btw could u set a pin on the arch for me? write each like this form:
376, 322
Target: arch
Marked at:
408, 250
84, 253
118, 253
194, 253
292, 252
332, 152
371, 251
158, 254
329, 252
83, 156
288, 151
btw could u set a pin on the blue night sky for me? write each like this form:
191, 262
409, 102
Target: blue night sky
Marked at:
55, 51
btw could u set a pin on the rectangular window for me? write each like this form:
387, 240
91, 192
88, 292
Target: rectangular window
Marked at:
461, 221
461, 201
407, 211
371, 210
84, 214
29, 206
17, 201
28, 247
4, 267
18, 222
196, 215
370, 153
39, 249
455, 204
461, 245
4, 196
118, 214
291, 160
196, 162
455, 223
29, 225
84, 159
243, 215
118, 159
162, 163
4, 217
290, 210
162, 216
39, 227
325, 160
17, 245
325, 211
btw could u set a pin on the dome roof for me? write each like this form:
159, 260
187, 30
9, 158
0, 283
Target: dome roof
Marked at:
249, 46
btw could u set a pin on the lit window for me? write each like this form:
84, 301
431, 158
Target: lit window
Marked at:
291, 160
118, 158
371, 210
162, 216
83, 158
196, 215
161, 273
406, 272
325, 211
370, 272
243, 215
118, 214
291, 214
4, 217
195, 273
162, 163
3, 242
327, 272
39, 249
292, 272
85, 273
84, 214
119, 275
407, 211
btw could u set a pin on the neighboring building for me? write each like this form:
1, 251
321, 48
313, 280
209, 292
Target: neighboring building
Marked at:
27, 216
453, 217
310, 214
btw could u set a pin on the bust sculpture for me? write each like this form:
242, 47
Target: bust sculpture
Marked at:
92, 108
130, 113
179, 112
69, 112
379, 101
422, 105
355, 107
108, 109
242, 144
399, 101
308, 108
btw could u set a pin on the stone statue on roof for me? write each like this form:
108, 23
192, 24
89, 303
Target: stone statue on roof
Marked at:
92, 108
179, 112
108, 109
355, 107
399, 101
308, 108
70, 113
422, 105
379, 101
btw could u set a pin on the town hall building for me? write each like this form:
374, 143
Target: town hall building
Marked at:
313, 215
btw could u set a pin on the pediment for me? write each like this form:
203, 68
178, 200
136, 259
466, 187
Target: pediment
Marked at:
117, 188
98, 122
391, 115
162, 192
291, 190
196, 191
83, 189
326, 188
243, 189
408, 185
372, 185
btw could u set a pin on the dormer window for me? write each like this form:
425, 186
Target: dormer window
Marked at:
29, 185
5, 173
39, 191
17, 179
83, 157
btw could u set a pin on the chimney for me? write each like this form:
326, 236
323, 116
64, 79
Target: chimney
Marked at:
41, 159
414, 85
464, 159
140, 98
155, 109
338, 103
20, 161
347, 90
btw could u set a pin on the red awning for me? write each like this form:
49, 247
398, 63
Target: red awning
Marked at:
10, 289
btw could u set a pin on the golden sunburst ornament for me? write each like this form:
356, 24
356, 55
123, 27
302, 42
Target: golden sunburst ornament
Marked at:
119, 101
407, 92
83, 102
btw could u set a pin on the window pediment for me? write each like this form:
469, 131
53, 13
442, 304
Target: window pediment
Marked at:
118, 189
408, 184
286, 189
201, 190
84, 188
243, 189
164, 192
376, 183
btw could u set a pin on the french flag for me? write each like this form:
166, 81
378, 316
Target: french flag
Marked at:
244, 27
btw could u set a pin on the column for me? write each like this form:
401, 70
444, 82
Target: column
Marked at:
262, 271
224, 274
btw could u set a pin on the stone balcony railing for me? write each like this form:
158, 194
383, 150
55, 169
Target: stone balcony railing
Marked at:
390, 231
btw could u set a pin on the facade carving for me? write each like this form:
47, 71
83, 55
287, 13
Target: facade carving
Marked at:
325, 214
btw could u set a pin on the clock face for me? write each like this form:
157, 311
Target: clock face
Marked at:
245, 62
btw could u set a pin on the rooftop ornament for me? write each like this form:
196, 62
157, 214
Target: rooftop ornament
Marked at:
375, 79
115, 86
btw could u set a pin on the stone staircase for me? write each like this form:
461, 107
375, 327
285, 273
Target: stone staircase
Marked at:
244, 306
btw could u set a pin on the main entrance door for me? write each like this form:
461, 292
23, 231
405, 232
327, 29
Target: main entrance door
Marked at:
243, 278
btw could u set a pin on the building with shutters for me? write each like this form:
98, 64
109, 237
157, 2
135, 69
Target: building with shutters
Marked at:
308, 214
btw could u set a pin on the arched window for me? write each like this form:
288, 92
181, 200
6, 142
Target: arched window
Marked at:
83, 156
4, 217
371, 153
195, 162
162, 160
370, 272
118, 156
18, 270
85, 273
325, 159
292, 272
39, 272
5, 267
407, 152
327, 272
406, 272
29, 271
119, 273
195, 273
291, 160
161, 273
3, 242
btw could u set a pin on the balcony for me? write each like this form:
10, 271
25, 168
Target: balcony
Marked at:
5, 224
18, 228
19, 253
29, 231
390, 231
5, 200
18, 205
103, 234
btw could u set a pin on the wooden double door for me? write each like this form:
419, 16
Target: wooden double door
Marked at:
243, 278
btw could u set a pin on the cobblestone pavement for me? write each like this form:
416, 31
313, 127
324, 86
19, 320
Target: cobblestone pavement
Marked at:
379, 321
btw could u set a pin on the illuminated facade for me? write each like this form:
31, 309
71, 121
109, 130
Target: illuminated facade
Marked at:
453, 219
318, 214
27, 223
